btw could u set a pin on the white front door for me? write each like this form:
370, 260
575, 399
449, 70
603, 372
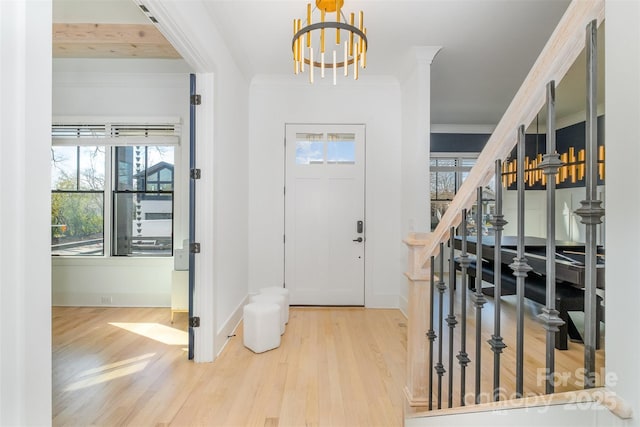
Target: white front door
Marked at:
324, 214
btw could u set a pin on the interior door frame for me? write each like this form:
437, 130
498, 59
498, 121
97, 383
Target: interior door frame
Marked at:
364, 195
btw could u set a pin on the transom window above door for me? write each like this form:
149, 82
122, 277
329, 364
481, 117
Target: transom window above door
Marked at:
329, 148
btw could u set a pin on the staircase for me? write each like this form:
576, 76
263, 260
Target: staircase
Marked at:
455, 348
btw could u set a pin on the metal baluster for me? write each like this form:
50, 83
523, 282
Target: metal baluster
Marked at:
520, 267
463, 357
431, 334
441, 288
550, 165
591, 211
451, 318
478, 297
498, 222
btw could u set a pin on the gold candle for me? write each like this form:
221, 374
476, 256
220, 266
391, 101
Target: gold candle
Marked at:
309, 23
364, 52
360, 26
337, 20
322, 12
352, 17
355, 64
300, 55
295, 53
345, 66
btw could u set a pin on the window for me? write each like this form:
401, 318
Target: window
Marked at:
447, 174
335, 149
143, 201
109, 198
77, 200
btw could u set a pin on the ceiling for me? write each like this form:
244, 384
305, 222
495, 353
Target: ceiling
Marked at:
488, 46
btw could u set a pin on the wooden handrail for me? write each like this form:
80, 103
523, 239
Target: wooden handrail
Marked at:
560, 52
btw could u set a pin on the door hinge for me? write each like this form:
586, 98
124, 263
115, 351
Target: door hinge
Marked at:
284, 238
196, 99
194, 322
195, 174
285, 191
194, 248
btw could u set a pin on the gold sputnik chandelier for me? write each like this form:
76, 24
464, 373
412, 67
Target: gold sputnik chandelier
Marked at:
312, 50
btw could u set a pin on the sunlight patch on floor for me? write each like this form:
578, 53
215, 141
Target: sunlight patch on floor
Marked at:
155, 331
110, 372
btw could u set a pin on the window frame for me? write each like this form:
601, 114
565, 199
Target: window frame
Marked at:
118, 133
458, 169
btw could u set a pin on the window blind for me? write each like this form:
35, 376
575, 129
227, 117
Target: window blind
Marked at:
115, 134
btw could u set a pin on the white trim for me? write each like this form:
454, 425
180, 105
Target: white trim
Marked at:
426, 54
25, 261
386, 301
403, 305
453, 154
229, 327
169, 14
119, 120
453, 128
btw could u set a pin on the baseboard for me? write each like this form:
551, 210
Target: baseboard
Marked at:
110, 299
381, 301
403, 305
229, 326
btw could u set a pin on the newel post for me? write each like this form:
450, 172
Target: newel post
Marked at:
419, 297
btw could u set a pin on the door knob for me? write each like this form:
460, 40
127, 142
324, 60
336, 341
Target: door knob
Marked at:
359, 240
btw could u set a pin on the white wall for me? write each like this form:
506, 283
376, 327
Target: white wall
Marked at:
222, 151
25, 213
375, 102
416, 136
121, 88
231, 197
622, 44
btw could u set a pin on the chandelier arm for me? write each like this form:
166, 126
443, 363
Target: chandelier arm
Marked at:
321, 25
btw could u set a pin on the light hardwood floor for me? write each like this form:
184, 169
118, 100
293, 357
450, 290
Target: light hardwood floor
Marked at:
335, 367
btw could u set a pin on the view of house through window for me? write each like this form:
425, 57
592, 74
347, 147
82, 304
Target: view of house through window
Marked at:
448, 172
133, 210
143, 201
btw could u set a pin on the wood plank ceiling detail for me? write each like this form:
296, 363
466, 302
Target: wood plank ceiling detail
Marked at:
110, 41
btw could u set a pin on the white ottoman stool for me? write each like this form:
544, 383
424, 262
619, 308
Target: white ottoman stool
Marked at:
272, 299
279, 291
261, 326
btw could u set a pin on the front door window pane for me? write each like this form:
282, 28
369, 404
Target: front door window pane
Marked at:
309, 148
341, 148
